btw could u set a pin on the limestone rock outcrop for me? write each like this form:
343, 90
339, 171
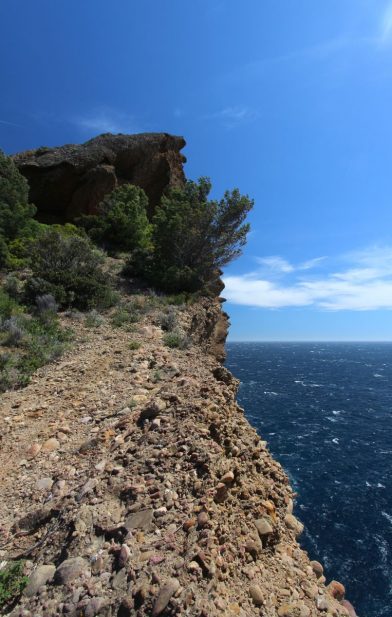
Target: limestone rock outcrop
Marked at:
71, 180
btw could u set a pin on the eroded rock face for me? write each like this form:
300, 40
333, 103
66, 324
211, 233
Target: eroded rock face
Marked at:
71, 180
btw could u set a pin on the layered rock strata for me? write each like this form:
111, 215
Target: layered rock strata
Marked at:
71, 180
133, 485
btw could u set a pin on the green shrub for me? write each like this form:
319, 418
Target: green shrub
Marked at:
16, 214
8, 306
13, 287
133, 345
12, 582
70, 269
93, 319
126, 315
168, 321
121, 223
31, 341
176, 339
156, 376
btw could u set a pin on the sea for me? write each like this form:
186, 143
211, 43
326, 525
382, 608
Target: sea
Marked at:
325, 410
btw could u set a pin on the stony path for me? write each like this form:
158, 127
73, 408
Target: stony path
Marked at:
133, 484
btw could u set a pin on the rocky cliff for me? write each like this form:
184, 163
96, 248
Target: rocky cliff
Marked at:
134, 486
73, 179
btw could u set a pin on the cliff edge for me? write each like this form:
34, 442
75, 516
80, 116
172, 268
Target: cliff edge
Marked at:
132, 484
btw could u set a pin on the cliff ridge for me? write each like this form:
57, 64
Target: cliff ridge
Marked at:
133, 485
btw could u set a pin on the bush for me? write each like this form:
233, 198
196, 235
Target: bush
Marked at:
93, 319
12, 582
168, 321
13, 330
13, 287
69, 269
122, 223
38, 340
192, 238
16, 214
8, 306
125, 316
176, 339
133, 345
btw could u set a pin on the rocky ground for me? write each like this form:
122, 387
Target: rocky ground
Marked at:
133, 485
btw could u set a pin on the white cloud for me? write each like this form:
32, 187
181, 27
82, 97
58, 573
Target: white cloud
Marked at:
363, 286
231, 117
105, 120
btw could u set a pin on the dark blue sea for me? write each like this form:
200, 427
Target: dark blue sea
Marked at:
326, 411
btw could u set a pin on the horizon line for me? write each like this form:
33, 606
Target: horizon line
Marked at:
309, 341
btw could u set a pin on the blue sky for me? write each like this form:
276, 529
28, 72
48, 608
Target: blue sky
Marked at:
289, 101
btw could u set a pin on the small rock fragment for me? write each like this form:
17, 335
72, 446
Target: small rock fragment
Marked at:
124, 555
337, 590
40, 576
188, 524
256, 595
165, 594
44, 484
50, 445
34, 449
69, 570
202, 519
349, 607
139, 520
294, 524
263, 527
317, 568
221, 493
228, 478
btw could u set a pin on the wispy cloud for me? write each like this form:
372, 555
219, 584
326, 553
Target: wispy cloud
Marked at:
275, 264
178, 112
364, 284
103, 120
386, 25
10, 123
234, 116
378, 36
278, 265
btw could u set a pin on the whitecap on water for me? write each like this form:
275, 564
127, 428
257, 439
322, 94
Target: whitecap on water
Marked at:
270, 393
335, 440
387, 516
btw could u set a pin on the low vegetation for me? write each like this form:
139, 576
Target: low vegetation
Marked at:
176, 340
12, 583
28, 340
